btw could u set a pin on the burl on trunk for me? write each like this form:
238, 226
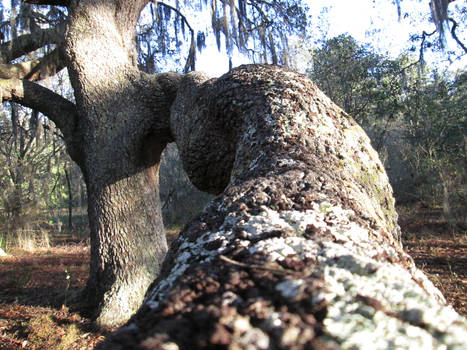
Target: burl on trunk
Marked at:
301, 248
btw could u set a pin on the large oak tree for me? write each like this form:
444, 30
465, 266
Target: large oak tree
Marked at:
118, 124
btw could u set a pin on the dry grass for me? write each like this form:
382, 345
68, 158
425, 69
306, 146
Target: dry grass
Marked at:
43, 333
28, 240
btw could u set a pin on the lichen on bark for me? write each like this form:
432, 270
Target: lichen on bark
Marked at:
301, 248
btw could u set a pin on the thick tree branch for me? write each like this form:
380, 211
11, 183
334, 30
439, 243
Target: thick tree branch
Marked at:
34, 70
301, 248
28, 43
58, 109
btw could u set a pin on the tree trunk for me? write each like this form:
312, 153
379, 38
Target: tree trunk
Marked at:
17, 198
121, 130
127, 243
447, 208
70, 198
301, 250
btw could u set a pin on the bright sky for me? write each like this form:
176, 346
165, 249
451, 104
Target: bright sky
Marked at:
369, 21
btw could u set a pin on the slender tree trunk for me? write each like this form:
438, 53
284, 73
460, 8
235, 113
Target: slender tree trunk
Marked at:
17, 208
17, 202
301, 250
122, 129
447, 208
70, 198
80, 201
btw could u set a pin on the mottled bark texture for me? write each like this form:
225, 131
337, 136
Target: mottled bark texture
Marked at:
118, 134
301, 248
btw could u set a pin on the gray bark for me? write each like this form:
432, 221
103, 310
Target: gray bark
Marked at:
301, 248
120, 131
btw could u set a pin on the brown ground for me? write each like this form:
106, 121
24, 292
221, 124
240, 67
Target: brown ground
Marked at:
34, 286
33, 289
439, 251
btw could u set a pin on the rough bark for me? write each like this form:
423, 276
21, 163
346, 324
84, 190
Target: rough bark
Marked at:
301, 249
122, 127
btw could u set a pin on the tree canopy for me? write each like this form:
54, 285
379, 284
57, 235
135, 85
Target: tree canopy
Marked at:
257, 29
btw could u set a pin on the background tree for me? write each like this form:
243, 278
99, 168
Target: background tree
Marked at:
26, 151
435, 129
33, 178
181, 201
365, 84
413, 117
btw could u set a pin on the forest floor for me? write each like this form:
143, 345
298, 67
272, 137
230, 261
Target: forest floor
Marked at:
35, 285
